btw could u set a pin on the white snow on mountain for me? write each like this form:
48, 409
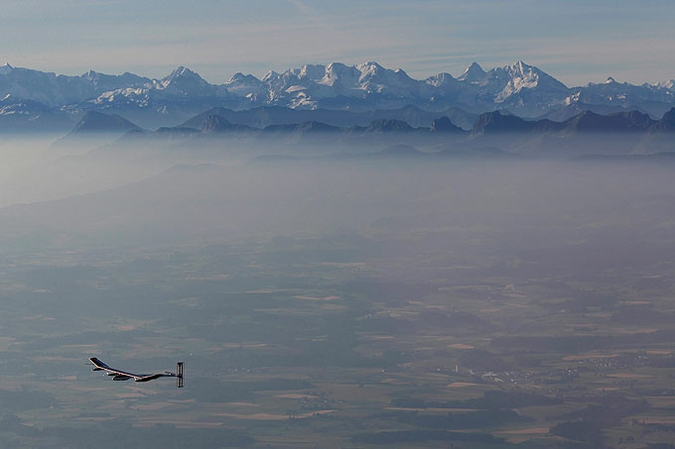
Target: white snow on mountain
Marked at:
670, 84
6, 69
521, 88
473, 74
521, 76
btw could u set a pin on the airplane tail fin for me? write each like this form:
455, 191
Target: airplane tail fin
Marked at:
179, 374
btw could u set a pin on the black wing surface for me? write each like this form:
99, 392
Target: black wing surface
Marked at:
118, 374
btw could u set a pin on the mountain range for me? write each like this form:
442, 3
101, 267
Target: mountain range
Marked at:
33, 100
621, 133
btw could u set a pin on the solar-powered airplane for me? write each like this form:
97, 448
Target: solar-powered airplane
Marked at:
118, 374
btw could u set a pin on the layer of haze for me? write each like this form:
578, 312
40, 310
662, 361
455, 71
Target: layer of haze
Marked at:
207, 252
222, 190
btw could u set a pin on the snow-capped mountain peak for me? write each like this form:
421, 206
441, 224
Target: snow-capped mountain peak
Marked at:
181, 73
90, 75
520, 77
369, 68
520, 88
312, 71
516, 77
337, 72
271, 75
523, 69
6, 69
473, 74
440, 80
240, 80
375, 78
185, 81
670, 84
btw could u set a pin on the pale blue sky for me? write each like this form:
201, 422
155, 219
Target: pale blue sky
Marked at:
576, 41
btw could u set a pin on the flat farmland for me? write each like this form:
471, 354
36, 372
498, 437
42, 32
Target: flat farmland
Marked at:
415, 330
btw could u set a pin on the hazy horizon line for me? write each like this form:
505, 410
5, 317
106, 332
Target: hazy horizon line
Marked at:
323, 64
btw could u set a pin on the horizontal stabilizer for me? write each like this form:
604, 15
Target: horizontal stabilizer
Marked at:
179, 374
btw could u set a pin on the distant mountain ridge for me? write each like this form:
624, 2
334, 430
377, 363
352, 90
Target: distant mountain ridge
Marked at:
520, 88
622, 133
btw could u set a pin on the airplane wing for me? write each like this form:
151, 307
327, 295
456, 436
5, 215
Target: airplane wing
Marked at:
120, 375
115, 373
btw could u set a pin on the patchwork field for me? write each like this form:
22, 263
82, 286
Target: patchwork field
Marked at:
488, 327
